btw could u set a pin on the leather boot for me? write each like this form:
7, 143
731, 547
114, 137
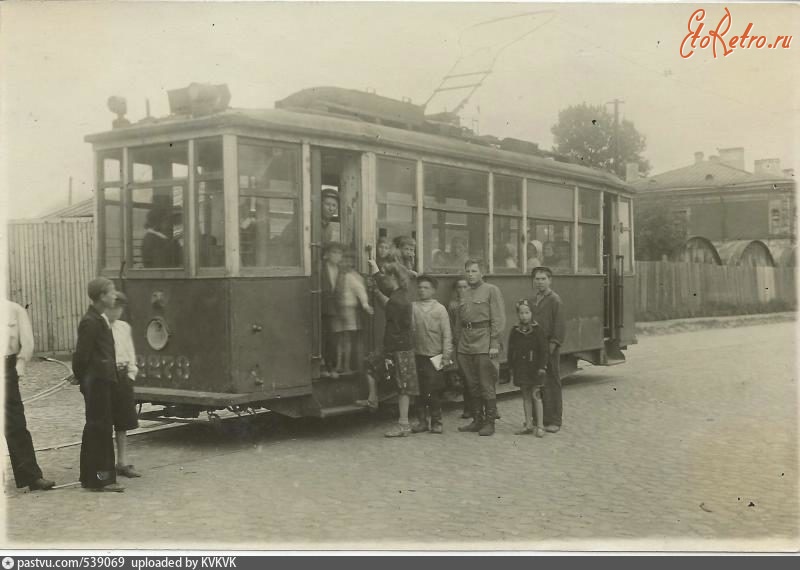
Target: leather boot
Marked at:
491, 415
477, 417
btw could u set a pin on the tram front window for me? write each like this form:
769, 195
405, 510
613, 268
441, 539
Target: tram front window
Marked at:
269, 212
156, 198
210, 202
109, 176
157, 225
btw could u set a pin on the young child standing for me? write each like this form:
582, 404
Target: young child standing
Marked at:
527, 360
352, 294
433, 345
123, 407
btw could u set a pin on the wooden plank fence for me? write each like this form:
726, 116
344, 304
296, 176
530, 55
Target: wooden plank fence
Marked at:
673, 290
49, 265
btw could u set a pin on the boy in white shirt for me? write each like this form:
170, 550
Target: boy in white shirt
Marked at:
123, 406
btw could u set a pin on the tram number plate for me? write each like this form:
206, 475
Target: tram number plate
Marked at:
154, 367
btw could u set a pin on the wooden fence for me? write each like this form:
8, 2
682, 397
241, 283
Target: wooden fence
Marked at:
49, 265
673, 290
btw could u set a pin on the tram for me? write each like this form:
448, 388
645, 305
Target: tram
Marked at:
211, 221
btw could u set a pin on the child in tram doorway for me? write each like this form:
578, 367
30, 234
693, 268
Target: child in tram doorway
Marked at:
123, 407
331, 283
527, 360
352, 294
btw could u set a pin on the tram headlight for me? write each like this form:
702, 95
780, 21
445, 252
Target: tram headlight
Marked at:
157, 333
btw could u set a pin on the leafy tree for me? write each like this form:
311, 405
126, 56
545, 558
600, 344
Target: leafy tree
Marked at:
659, 231
586, 134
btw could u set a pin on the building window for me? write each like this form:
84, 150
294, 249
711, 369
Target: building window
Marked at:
507, 224
269, 205
455, 218
210, 202
397, 197
550, 221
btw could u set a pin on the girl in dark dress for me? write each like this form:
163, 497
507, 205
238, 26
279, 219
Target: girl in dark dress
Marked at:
527, 359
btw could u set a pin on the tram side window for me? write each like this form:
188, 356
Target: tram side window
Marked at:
455, 217
109, 180
210, 202
507, 225
550, 221
269, 205
625, 234
157, 227
588, 231
396, 188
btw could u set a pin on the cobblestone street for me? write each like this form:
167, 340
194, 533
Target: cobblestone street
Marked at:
694, 438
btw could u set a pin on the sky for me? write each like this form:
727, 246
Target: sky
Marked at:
59, 63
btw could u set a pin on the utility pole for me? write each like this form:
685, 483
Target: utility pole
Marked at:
615, 142
69, 194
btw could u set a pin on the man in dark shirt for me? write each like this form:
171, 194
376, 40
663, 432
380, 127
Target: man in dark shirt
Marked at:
94, 366
548, 312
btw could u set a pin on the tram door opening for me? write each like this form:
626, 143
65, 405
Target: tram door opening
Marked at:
336, 258
609, 267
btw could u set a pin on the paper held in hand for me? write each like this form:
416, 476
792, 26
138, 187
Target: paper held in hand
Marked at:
437, 361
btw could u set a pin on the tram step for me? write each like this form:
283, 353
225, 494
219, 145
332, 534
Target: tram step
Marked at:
341, 410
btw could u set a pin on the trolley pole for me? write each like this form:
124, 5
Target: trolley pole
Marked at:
615, 141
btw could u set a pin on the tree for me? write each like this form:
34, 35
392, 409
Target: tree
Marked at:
659, 230
586, 134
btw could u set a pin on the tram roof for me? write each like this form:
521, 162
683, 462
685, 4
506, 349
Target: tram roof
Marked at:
353, 131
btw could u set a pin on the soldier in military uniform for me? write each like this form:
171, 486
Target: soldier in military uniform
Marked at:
480, 323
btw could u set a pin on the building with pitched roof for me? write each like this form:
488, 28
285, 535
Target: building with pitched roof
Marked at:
722, 202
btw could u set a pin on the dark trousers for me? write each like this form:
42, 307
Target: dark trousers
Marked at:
551, 394
97, 445
328, 342
18, 438
481, 373
431, 384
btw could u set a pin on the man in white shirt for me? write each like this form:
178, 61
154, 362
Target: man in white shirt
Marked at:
123, 406
19, 349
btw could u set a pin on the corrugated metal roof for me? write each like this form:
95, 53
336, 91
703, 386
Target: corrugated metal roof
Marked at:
704, 174
83, 209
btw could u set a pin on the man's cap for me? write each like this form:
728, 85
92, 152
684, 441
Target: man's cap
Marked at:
330, 193
542, 269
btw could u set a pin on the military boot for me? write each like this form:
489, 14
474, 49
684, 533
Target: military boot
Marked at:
491, 415
477, 417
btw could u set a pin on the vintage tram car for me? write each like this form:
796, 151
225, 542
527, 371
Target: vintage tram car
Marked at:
210, 220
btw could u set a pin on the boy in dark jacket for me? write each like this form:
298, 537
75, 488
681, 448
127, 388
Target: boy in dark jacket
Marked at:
94, 366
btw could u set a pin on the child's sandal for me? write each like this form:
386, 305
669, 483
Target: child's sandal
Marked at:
525, 431
539, 432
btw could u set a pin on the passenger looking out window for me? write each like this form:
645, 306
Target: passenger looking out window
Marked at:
159, 249
331, 230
